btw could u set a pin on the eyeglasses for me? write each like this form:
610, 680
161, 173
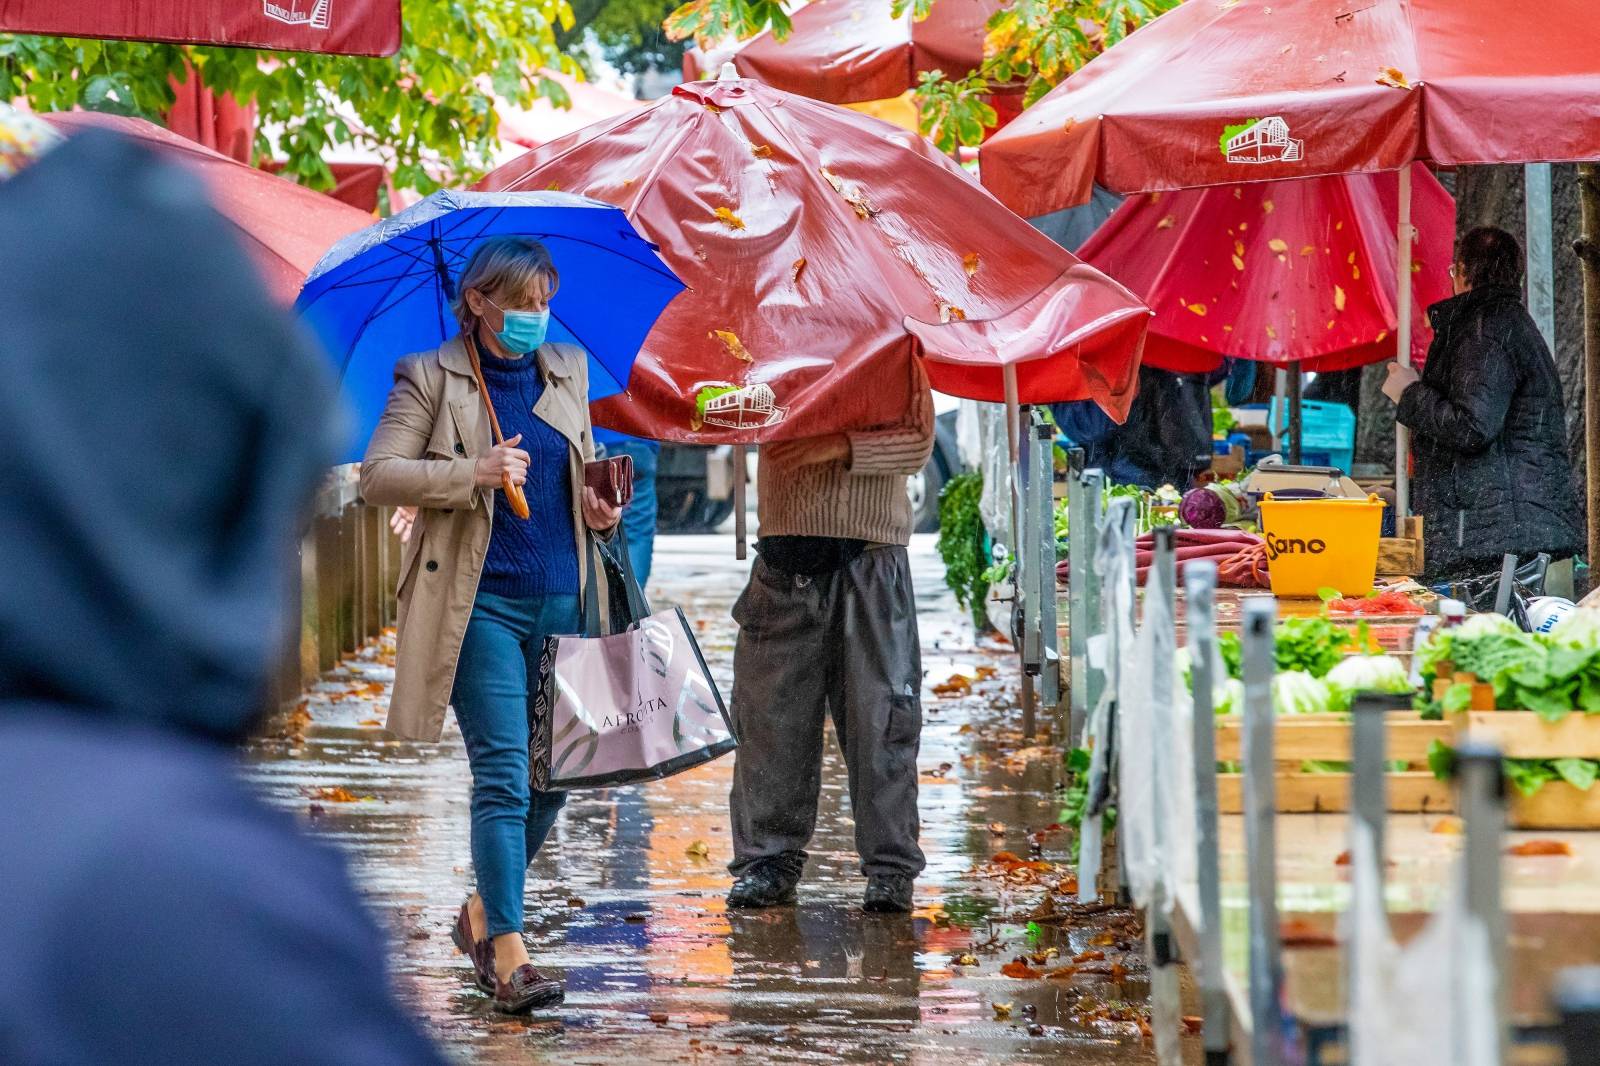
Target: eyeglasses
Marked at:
1456, 273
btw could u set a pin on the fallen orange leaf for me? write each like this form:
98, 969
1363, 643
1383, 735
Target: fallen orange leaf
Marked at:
1168, 222
1199, 309
731, 342
1002, 1011
1392, 77
1267, 207
699, 849
1020, 970
1238, 263
950, 312
338, 794
1530, 848
969, 262
762, 151
727, 217
799, 268
1338, 298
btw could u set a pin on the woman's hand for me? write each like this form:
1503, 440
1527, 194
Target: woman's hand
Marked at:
1399, 380
500, 460
401, 521
599, 515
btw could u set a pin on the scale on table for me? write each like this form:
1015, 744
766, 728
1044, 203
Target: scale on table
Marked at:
1290, 481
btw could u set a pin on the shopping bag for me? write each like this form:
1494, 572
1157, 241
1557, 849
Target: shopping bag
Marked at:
633, 703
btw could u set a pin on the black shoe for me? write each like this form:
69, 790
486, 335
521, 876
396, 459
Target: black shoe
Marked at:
888, 894
528, 990
763, 886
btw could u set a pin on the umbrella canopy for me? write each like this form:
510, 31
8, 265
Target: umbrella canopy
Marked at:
386, 291
346, 27
1278, 272
542, 121
286, 227
1246, 90
824, 251
852, 51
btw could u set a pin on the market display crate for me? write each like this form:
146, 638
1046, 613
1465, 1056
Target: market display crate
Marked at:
1402, 556
1298, 739
1524, 735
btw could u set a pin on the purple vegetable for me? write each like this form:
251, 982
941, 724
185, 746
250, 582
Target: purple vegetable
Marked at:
1203, 509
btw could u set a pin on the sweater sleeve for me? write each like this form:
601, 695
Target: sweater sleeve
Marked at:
395, 470
901, 450
1469, 411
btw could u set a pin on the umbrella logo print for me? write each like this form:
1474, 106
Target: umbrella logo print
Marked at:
294, 13
732, 407
1261, 140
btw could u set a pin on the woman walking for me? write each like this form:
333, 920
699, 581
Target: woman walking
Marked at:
481, 588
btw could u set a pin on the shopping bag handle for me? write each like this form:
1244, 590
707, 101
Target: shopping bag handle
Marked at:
622, 561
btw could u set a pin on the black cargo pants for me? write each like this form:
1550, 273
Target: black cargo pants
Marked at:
842, 643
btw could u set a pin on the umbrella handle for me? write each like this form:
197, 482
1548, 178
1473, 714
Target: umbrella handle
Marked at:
513, 491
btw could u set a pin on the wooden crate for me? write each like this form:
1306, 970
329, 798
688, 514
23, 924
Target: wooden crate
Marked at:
1326, 737
1523, 735
1402, 556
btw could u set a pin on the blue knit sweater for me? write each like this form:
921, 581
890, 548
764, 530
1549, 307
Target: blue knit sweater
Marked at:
536, 556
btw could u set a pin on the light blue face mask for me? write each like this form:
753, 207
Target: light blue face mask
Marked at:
523, 330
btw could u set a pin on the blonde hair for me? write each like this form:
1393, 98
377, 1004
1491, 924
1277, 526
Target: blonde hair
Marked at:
503, 268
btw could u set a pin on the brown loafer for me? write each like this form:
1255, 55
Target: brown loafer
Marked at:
481, 952
528, 990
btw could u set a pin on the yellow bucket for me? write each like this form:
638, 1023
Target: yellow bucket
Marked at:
1317, 544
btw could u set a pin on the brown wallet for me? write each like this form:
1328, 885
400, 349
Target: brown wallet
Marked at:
611, 479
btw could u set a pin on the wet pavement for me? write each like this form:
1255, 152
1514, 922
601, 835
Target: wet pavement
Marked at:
626, 900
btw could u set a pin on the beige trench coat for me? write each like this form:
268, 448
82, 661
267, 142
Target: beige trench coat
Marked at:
423, 455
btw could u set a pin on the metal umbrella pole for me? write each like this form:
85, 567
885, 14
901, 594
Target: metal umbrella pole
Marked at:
1402, 435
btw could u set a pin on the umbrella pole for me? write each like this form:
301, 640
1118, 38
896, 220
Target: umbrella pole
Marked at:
1402, 435
1013, 445
741, 532
1296, 422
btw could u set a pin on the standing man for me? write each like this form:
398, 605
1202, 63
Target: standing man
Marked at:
1490, 444
828, 626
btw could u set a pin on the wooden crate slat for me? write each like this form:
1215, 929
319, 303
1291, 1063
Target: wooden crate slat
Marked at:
1408, 793
1522, 735
1556, 806
1327, 737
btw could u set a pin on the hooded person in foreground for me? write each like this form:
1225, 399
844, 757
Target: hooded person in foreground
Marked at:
163, 428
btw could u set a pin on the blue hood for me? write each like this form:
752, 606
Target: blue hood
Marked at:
162, 428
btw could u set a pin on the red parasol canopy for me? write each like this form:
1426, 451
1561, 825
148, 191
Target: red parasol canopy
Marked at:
345, 27
852, 51
1279, 272
1221, 91
823, 251
285, 226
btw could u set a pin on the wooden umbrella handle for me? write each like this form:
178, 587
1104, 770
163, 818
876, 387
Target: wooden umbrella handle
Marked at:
513, 491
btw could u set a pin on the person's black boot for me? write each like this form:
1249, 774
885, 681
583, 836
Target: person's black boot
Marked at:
766, 885
888, 894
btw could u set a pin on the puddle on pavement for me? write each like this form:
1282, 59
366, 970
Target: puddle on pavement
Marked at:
655, 968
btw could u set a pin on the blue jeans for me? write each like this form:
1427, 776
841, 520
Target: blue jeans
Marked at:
499, 661
639, 517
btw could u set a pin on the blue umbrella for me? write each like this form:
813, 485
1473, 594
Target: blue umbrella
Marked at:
386, 291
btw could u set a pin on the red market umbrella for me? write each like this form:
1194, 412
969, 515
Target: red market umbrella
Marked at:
345, 27
1218, 92
1278, 272
285, 226
852, 51
824, 251
1223, 91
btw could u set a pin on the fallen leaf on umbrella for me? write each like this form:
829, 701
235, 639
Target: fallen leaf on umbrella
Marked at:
969, 262
1267, 207
728, 218
1238, 249
713, 108
1002, 1011
1529, 848
1355, 273
1272, 333
950, 312
730, 341
699, 849
1392, 77
1238, 263
1199, 309
554, 186
761, 151
1338, 298
1279, 245
1308, 249
1168, 222
1020, 970
798, 268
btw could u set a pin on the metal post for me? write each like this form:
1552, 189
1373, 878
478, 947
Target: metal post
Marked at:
1483, 810
1508, 574
1013, 435
1296, 417
1536, 185
1079, 536
1588, 249
1369, 802
1094, 681
1260, 829
1402, 306
1025, 475
1160, 943
1045, 517
1200, 584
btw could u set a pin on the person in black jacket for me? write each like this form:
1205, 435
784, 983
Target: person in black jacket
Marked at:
1489, 429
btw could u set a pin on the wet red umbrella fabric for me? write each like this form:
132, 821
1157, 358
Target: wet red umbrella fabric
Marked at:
345, 27
1278, 272
824, 252
852, 51
286, 227
1222, 91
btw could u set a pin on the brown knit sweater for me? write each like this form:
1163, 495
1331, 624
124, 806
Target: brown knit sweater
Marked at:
863, 497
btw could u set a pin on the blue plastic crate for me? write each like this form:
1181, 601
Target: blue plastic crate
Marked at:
1327, 431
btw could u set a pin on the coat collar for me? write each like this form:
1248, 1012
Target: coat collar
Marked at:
1447, 312
453, 357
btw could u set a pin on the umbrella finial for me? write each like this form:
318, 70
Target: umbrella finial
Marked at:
729, 72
